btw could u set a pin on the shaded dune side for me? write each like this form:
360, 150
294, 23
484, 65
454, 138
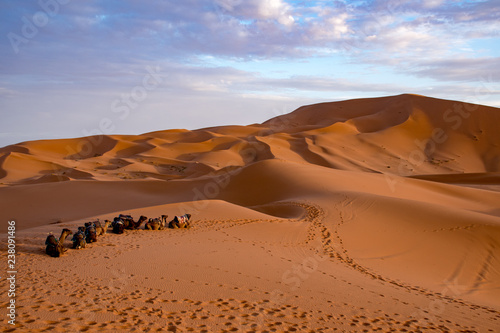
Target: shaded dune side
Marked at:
485, 178
309, 152
30, 168
271, 181
66, 201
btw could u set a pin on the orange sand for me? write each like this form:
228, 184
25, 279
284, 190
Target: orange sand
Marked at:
356, 216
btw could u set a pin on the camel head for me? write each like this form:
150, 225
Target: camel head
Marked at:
66, 232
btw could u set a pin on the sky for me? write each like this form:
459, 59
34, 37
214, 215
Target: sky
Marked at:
75, 68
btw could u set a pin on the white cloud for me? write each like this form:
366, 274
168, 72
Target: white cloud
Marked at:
404, 39
432, 3
333, 26
276, 9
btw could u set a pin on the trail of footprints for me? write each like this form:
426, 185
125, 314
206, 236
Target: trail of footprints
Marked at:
333, 245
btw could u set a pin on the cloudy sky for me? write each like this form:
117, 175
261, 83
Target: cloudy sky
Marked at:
74, 68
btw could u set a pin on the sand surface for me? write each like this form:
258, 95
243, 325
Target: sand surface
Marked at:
365, 215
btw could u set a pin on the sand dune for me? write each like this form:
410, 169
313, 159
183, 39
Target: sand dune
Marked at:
405, 135
361, 215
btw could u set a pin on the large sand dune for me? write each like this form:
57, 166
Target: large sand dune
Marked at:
361, 215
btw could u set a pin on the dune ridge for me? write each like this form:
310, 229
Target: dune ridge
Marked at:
405, 135
359, 215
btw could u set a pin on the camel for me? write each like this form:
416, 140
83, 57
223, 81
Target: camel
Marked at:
79, 241
152, 224
164, 222
118, 226
180, 222
126, 219
55, 248
90, 233
99, 229
138, 223
129, 223
156, 224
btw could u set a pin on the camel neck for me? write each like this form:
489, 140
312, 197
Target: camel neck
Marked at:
63, 237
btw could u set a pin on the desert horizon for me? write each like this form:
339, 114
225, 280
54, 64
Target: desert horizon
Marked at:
362, 215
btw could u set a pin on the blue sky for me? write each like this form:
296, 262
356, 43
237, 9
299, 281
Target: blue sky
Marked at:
74, 68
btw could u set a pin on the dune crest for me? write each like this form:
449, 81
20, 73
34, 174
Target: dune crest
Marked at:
405, 135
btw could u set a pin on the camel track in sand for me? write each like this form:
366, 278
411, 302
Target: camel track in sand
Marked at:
333, 246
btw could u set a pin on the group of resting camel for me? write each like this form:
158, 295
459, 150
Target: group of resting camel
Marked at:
89, 233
